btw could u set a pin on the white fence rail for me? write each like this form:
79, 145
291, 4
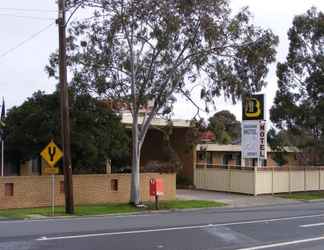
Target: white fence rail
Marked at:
256, 181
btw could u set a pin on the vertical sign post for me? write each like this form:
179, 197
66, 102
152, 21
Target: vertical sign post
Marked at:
53, 194
2, 126
52, 154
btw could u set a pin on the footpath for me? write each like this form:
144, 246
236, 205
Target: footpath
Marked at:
233, 200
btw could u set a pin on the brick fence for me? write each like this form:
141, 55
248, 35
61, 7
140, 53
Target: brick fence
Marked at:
35, 191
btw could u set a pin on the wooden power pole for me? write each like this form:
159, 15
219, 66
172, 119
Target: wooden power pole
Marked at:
65, 117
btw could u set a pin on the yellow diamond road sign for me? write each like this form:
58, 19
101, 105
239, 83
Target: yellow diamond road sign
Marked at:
52, 154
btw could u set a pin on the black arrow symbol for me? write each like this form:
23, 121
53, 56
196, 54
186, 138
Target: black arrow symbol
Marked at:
52, 152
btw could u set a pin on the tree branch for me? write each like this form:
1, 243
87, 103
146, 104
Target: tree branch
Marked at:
190, 99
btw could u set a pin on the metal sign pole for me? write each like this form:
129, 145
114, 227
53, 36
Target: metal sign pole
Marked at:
157, 207
53, 194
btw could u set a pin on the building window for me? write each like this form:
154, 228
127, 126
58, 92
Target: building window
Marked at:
209, 157
263, 162
9, 189
114, 185
227, 158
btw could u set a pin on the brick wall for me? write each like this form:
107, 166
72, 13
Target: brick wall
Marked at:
35, 191
154, 150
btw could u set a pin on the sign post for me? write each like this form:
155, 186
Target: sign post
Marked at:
52, 154
53, 194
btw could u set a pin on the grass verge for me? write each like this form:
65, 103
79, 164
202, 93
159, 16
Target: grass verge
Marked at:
88, 210
304, 196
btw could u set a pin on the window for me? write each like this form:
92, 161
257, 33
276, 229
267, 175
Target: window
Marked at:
209, 156
226, 158
263, 162
9, 189
114, 185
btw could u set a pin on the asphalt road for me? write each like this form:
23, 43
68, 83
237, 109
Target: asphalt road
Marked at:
294, 226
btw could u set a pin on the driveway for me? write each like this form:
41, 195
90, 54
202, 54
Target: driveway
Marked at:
233, 200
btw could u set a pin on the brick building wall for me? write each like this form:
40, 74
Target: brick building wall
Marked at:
35, 191
154, 149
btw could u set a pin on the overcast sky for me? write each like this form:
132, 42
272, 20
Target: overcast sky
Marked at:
26, 44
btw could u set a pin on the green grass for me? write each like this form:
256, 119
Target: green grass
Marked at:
88, 210
59, 211
304, 196
182, 204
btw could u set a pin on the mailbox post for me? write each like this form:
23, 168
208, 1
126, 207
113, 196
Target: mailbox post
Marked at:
156, 190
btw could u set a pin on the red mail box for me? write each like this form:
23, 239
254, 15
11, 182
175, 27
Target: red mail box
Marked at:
156, 187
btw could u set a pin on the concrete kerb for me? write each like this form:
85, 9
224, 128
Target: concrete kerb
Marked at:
140, 213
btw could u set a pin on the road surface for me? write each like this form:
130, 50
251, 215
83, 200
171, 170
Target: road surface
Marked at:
291, 226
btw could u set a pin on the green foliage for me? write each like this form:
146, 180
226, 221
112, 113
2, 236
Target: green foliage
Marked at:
158, 44
277, 141
299, 102
192, 136
96, 133
225, 127
304, 196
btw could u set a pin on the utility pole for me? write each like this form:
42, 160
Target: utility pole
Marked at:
65, 117
2, 156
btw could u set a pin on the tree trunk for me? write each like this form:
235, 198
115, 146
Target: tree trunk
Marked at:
135, 185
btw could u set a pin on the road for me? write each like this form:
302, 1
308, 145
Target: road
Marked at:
293, 226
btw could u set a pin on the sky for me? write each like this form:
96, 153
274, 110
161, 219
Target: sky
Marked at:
29, 37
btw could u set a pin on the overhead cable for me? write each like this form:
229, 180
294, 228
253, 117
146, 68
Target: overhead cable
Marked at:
27, 10
5, 53
27, 17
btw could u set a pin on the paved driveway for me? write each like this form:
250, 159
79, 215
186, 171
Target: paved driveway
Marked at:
233, 200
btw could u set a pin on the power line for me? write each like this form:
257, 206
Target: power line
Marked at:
25, 41
27, 10
28, 17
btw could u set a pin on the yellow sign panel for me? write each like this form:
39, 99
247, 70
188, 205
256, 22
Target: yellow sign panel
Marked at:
51, 170
253, 108
52, 154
